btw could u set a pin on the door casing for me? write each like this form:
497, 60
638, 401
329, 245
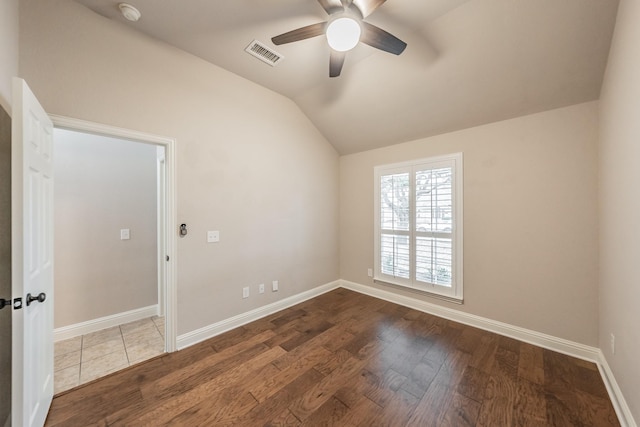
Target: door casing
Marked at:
167, 231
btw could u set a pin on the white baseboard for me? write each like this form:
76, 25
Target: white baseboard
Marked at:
95, 325
581, 351
199, 335
550, 342
617, 399
560, 345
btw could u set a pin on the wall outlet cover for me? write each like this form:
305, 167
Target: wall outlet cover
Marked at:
213, 236
613, 344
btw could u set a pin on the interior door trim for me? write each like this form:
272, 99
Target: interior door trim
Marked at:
169, 144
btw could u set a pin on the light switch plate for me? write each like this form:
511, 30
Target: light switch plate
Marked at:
274, 286
125, 234
213, 236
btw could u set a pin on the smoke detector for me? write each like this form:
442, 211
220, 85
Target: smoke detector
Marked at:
129, 12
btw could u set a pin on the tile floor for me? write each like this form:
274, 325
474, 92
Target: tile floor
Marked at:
82, 359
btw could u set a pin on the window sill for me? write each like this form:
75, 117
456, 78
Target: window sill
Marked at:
418, 290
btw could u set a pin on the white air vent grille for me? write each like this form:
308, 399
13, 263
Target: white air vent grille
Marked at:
263, 53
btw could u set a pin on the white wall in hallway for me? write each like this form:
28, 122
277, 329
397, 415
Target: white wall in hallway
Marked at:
103, 185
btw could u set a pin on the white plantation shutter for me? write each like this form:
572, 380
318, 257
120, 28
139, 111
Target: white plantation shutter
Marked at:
394, 214
434, 203
418, 225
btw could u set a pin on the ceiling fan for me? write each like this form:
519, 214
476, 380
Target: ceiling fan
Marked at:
345, 28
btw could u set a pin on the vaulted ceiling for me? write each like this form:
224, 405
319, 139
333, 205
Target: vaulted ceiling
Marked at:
468, 62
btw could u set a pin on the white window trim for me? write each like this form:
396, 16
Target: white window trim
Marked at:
455, 293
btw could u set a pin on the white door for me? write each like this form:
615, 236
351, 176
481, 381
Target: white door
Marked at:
32, 258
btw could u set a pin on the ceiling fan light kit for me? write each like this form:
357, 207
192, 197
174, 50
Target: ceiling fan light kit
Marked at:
343, 34
344, 30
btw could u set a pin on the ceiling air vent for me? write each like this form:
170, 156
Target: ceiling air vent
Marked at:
263, 53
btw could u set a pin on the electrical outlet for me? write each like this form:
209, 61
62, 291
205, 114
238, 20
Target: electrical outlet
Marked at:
274, 286
261, 288
370, 272
613, 344
125, 234
213, 236
245, 292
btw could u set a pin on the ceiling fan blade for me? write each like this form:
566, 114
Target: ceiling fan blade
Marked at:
380, 39
331, 6
336, 61
307, 32
366, 7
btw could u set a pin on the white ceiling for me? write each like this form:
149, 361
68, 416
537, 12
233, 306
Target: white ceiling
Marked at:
468, 62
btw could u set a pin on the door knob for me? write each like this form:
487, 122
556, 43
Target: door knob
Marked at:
40, 298
4, 303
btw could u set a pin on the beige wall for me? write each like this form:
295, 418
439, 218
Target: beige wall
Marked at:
250, 164
8, 69
620, 205
530, 223
103, 185
8, 49
5, 262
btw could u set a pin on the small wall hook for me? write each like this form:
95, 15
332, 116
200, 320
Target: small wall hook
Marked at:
183, 230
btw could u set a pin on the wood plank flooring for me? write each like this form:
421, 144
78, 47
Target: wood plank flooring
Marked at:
347, 359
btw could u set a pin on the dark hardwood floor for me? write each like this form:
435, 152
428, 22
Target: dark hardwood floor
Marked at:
347, 359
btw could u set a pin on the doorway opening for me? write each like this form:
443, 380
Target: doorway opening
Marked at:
114, 249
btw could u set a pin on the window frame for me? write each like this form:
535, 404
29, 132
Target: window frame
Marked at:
455, 161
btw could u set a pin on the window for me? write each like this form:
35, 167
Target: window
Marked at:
418, 225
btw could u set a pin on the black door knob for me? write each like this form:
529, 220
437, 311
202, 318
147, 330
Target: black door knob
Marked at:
40, 298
